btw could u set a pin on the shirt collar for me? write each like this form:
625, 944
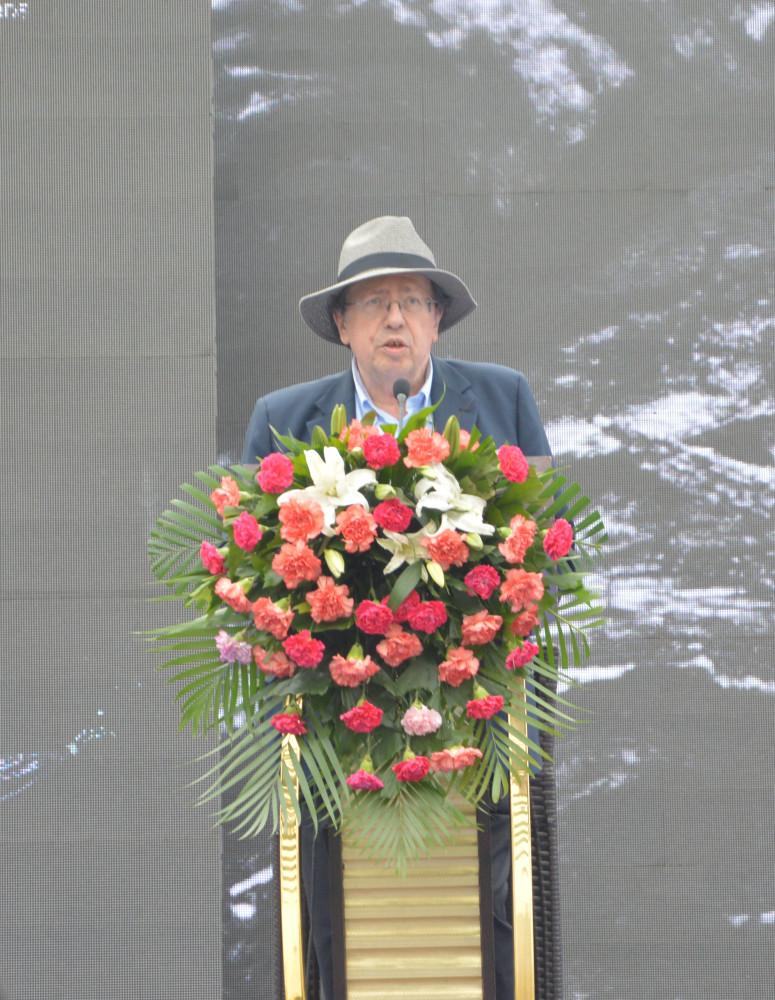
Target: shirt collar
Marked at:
414, 404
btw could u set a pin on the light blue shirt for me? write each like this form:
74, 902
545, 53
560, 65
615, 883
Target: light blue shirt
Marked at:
414, 404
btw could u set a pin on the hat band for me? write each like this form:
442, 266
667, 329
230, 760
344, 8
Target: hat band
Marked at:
373, 261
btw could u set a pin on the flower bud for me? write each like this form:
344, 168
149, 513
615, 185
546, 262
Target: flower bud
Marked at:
474, 540
384, 491
435, 572
335, 562
338, 420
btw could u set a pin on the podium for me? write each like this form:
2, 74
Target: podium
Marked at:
428, 934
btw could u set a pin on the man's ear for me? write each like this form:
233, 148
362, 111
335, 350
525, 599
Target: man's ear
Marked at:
338, 318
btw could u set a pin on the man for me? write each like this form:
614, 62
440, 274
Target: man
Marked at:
388, 305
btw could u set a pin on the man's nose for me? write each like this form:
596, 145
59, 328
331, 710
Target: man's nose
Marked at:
394, 315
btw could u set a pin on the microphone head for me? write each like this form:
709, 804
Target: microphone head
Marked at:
401, 387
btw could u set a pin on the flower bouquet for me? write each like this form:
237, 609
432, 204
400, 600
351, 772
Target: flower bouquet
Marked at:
372, 606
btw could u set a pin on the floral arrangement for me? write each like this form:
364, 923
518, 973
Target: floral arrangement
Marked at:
372, 607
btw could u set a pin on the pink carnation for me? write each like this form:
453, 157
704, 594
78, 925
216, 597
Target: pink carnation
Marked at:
520, 656
364, 781
303, 649
419, 720
268, 617
212, 560
455, 758
513, 463
373, 618
485, 708
226, 495
521, 588
480, 628
558, 539
231, 650
364, 718
289, 722
329, 601
460, 665
357, 527
232, 594
425, 447
482, 581
381, 450
523, 532
275, 474
296, 563
347, 672
392, 515
247, 533
413, 769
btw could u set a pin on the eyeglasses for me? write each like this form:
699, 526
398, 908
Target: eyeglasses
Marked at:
379, 305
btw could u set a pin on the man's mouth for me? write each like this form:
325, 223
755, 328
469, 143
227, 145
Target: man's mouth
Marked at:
394, 344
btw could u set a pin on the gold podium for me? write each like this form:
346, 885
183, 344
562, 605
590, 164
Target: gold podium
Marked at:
417, 936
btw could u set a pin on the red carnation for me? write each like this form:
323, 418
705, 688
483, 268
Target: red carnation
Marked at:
484, 708
413, 769
212, 560
303, 649
276, 473
365, 781
381, 450
482, 581
289, 722
427, 616
392, 515
373, 618
558, 539
363, 718
513, 463
521, 655
404, 609
247, 533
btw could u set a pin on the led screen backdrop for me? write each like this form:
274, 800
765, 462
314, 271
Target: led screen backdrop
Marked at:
601, 173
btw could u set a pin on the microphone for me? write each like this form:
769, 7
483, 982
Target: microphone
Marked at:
401, 390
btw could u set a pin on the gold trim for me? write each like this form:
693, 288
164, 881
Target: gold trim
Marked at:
290, 891
522, 879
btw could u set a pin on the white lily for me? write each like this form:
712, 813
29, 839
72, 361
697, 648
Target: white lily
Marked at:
333, 487
405, 548
439, 490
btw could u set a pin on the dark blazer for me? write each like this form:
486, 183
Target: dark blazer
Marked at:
497, 399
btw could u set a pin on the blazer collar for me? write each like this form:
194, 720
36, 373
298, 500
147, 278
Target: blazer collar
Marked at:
459, 398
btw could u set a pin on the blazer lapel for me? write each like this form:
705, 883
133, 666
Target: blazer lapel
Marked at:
341, 390
459, 398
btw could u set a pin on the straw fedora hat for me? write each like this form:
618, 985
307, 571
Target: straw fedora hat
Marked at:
387, 245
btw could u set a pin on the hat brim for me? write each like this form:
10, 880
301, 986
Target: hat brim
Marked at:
315, 308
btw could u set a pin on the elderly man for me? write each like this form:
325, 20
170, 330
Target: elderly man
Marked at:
388, 305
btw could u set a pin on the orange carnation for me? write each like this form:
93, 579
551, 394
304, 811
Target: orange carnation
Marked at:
454, 758
459, 666
276, 664
233, 595
523, 532
398, 646
526, 621
447, 547
357, 527
227, 494
350, 673
295, 563
301, 519
356, 433
267, 617
480, 628
521, 588
425, 447
329, 602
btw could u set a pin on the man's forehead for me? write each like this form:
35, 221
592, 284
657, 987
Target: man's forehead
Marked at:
391, 282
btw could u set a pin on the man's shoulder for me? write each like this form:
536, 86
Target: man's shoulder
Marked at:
480, 371
311, 390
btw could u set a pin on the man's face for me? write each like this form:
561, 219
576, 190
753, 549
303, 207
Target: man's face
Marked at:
390, 344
